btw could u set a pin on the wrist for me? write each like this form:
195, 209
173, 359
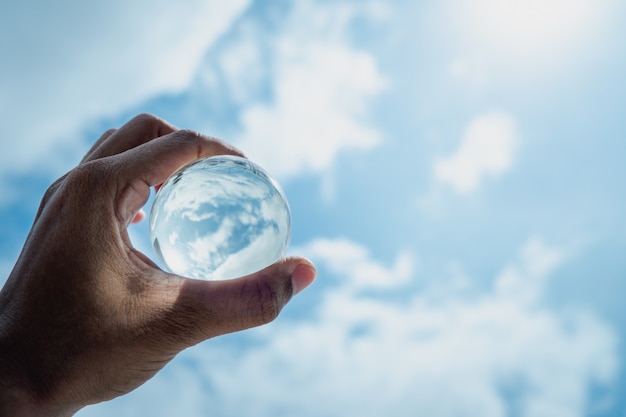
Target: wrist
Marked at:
18, 397
15, 399
15, 402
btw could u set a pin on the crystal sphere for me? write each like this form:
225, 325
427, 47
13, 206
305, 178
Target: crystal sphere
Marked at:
219, 218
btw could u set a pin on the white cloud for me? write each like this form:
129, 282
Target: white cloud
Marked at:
265, 249
317, 111
524, 280
70, 63
487, 148
353, 264
365, 355
320, 88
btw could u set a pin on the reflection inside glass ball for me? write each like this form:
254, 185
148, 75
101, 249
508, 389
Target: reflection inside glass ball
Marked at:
219, 218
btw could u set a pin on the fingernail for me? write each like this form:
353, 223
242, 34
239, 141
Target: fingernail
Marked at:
302, 276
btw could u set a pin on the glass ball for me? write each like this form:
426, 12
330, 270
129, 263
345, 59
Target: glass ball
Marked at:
219, 218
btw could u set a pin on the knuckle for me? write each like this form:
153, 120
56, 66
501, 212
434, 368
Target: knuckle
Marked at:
204, 145
74, 189
180, 330
146, 118
52, 189
109, 132
267, 301
87, 180
180, 327
49, 194
150, 122
187, 135
190, 138
87, 175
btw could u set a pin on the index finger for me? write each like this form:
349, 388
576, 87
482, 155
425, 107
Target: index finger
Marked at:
153, 162
139, 130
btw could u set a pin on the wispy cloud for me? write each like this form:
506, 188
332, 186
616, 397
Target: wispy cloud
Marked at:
353, 264
486, 149
523, 281
92, 61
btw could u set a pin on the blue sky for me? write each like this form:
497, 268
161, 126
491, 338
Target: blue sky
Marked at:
455, 170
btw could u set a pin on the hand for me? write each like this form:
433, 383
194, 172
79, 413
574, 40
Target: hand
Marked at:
85, 317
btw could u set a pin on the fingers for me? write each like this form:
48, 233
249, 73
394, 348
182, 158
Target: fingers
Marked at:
153, 162
206, 309
139, 130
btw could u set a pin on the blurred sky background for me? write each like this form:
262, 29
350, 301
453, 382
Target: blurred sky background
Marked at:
456, 170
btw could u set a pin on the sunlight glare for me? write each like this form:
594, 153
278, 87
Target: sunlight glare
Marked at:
530, 27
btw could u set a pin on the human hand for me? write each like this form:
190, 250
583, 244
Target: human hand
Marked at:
84, 316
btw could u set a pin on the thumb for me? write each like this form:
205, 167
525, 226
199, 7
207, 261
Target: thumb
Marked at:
205, 309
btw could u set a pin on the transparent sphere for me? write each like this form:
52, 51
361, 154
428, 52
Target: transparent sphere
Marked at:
219, 218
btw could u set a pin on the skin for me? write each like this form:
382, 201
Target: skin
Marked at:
84, 316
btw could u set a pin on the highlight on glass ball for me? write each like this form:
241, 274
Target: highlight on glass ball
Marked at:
218, 218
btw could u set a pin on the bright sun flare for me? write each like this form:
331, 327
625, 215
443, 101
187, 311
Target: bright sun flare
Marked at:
531, 27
